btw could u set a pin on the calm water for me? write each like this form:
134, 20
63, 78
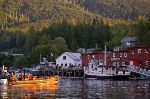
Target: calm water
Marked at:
81, 89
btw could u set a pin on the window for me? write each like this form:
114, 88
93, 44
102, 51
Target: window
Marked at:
139, 51
127, 43
70, 64
61, 64
123, 63
146, 50
65, 64
125, 54
132, 51
64, 57
146, 63
96, 69
114, 54
120, 54
114, 63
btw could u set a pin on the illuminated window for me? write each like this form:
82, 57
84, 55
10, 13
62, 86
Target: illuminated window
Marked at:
146, 50
132, 51
125, 54
139, 51
146, 63
114, 54
120, 54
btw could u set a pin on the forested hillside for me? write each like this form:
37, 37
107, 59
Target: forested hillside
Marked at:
125, 9
21, 12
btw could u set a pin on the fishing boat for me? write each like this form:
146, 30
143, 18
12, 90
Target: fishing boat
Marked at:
122, 75
99, 69
96, 70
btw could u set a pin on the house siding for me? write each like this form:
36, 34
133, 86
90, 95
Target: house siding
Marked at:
140, 57
69, 61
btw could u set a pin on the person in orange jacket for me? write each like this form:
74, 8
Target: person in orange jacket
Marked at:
29, 77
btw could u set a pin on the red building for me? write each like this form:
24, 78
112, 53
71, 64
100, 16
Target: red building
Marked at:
97, 56
119, 58
137, 56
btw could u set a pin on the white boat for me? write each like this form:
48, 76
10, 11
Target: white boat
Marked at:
122, 74
96, 70
99, 69
3, 82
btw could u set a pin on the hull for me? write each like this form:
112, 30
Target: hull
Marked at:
121, 77
51, 81
35, 82
98, 76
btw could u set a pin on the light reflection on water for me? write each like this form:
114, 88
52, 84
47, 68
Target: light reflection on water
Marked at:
79, 89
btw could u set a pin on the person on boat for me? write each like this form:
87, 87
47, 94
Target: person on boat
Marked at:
14, 77
10, 78
29, 77
20, 76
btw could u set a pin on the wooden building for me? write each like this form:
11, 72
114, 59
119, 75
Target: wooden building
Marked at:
136, 56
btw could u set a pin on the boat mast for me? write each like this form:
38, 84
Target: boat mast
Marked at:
105, 55
104, 58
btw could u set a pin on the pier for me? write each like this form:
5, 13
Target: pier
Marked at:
64, 73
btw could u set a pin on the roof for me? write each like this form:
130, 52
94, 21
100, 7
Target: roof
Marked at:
74, 56
142, 46
128, 39
89, 50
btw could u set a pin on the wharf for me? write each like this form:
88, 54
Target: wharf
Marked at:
64, 73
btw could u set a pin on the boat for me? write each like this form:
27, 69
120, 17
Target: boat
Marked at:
98, 69
49, 81
122, 75
3, 82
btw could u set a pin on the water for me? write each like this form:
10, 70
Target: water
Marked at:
81, 89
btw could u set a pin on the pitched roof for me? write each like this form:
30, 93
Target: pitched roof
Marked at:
74, 56
127, 39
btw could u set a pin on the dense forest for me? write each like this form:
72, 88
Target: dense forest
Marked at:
51, 27
124, 9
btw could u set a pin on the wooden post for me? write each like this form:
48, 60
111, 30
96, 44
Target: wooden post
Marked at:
24, 73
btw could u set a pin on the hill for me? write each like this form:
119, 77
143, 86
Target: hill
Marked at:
122, 9
20, 12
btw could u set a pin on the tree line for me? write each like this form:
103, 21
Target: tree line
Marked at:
68, 36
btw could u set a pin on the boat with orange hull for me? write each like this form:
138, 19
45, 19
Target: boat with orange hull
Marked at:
49, 81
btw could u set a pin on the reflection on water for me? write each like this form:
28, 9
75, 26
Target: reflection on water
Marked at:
28, 91
79, 89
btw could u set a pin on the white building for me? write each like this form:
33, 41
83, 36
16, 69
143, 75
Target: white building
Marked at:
69, 59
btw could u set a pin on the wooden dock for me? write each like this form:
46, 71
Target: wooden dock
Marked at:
64, 73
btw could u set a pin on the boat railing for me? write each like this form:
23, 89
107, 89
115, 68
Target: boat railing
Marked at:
139, 70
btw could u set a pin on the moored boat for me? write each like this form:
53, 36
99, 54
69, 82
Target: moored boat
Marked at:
96, 70
49, 81
122, 75
3, 82
99, 69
